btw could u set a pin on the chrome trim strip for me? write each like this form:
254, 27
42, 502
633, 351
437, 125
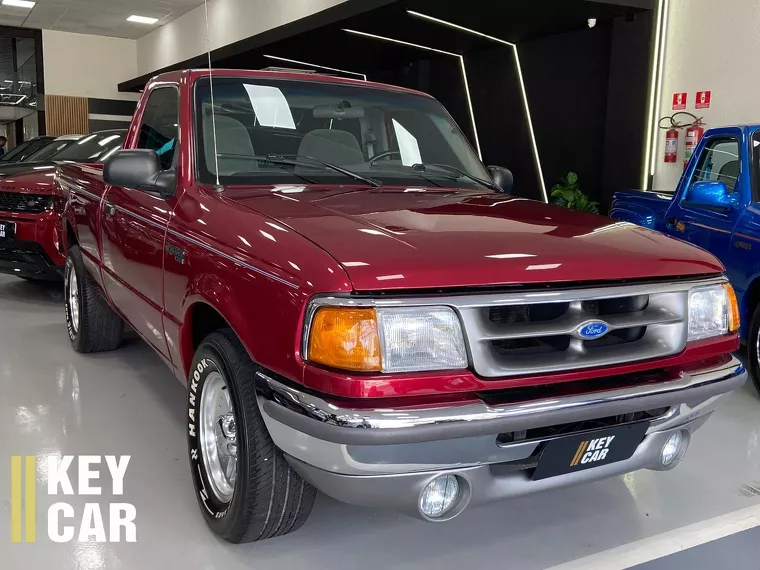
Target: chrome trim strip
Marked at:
316, 410
153, 223
77, 188
233, 259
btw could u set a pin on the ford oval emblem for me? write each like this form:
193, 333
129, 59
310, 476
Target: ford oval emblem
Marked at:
593, 330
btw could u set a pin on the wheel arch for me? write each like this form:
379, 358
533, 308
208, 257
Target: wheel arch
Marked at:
201, 317
749, 301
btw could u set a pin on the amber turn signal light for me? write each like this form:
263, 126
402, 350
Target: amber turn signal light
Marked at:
345, 338
733, 309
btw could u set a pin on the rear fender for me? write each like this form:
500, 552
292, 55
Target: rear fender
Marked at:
646, 209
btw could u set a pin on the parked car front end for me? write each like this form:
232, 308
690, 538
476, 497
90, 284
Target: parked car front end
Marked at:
30, 239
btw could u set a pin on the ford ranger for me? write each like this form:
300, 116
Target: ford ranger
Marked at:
357, 305
715, 206
31, 246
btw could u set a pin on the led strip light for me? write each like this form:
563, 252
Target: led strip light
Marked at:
655, 92
362, 75
523, 91
443, 52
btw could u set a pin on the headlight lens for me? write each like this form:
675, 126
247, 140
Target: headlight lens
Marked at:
388, 339
345, 338
713, 311
421, 338
34, 204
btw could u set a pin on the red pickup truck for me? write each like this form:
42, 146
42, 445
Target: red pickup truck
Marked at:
358, 306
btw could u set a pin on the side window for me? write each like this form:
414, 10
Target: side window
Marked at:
719, 161
159, 129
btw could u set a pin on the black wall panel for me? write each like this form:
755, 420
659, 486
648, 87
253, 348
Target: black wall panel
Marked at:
501, 119
566, 77
627, 99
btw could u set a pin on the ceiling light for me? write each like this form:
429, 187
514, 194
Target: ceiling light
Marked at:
132, 18
19, 3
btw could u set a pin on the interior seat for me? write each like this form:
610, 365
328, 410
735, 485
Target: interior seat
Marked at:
331, 145
729, 174
232, 138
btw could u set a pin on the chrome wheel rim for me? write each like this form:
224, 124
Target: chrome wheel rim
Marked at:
73, 299
218, 435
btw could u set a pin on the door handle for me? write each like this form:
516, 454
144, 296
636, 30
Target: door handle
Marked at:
110, 209
670, 222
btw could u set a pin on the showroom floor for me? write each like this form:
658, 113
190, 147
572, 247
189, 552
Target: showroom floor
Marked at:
54, 401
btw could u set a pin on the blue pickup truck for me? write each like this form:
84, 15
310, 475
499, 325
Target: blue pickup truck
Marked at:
717, 207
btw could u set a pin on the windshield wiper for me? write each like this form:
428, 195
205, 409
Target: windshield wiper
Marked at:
295, 160
422, 167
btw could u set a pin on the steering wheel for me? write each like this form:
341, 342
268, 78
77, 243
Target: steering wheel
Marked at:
382, 155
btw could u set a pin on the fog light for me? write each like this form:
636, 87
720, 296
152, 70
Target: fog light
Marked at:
671, 449
439, 496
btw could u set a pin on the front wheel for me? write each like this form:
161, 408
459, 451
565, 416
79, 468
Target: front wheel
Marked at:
753, 348
245, 487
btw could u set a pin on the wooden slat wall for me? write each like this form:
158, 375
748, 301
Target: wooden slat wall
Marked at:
66, 115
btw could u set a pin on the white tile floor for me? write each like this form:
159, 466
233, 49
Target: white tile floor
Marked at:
53, 401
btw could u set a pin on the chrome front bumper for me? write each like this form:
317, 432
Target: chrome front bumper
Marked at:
385, 457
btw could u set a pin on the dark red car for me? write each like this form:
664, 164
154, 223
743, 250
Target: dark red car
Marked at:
31, 245
357, 305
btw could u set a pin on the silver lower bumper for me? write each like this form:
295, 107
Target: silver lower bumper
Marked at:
386, 457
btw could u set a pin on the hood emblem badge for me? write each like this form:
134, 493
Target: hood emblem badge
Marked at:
593, 330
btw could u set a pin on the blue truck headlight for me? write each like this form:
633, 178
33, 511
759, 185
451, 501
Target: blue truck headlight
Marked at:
712, 311
413, 339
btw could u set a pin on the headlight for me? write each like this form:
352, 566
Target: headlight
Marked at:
34, 204
713, 311
387, 339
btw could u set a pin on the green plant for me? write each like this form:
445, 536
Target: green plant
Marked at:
568, 194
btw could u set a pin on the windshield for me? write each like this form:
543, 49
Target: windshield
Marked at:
91, 148
12, 154
49, 150
377, 133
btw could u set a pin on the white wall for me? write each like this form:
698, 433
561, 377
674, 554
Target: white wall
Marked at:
712, 45
88, 66
229, 22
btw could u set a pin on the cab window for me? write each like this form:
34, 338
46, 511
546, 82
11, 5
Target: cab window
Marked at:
159, 128
719, 162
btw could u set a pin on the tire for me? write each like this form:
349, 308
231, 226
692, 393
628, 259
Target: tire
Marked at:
268, 498
93, 326
753, 348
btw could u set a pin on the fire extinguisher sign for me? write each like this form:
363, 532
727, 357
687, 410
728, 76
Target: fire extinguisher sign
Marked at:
679, 101
703, 99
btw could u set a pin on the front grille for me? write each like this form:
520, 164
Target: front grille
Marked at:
21, 246
531, 333
28, 203
560, 430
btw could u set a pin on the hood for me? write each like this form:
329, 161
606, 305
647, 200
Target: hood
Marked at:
34, 182
13, 168
391, 238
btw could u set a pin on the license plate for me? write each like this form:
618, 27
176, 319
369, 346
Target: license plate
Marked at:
588, 450
7, 230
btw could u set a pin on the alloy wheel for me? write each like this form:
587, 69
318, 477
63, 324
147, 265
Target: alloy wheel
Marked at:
218, 436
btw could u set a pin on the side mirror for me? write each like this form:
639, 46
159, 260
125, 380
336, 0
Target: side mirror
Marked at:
712, 194
139, 169
502, 178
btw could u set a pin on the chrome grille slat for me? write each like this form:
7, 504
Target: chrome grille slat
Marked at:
570, 322
644, 323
